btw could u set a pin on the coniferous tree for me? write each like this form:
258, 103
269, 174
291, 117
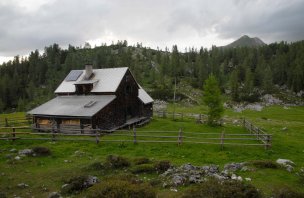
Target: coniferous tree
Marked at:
212, 98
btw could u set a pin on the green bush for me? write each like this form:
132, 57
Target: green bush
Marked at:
222, 189
285, 192
41, 151
121, 189
162, 166
264, 164
141, 160
143, 168
114, 161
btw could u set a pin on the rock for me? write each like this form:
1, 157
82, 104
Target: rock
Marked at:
248, 179
234, 166
13, 150
289, 168
285, 161
254, 107
288, 164
239, 178
9, 156
22, 185
188, 167
268, 99
284, 129
26, 152
173, 189
178, 180
285, 107
91, 180
17, 158
234, 177
54, 195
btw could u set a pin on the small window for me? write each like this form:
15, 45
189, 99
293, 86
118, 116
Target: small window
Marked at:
128, 89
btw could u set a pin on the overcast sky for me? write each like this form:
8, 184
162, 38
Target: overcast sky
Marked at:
27, 25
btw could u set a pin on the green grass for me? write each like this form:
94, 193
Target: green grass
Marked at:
46, 174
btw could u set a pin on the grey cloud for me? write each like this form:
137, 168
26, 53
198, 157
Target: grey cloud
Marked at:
161, 22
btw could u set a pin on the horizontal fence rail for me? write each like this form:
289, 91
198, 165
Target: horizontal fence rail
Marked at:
19, 129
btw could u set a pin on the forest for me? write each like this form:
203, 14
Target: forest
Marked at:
244, 73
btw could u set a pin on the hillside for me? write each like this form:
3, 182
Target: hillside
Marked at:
246, 41
244, 74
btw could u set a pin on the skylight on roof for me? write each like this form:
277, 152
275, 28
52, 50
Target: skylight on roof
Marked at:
73, 75
89, 104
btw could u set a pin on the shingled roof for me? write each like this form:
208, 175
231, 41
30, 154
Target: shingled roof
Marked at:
108, 80
76, 106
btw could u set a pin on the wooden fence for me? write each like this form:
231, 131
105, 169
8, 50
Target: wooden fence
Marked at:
16, 121
258, 132
180, 115
135, 136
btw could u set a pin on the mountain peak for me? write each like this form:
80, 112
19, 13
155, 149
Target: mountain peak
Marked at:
246, 41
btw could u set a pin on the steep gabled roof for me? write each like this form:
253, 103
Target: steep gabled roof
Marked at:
144, 96
108, 80
78, 106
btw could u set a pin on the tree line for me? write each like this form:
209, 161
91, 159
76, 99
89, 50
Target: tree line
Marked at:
244, 73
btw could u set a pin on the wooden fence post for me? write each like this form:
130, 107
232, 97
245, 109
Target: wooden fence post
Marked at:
134, 135
222, 140
180, 137
97, 138
6, 122
14, 134
267, 141
53, 133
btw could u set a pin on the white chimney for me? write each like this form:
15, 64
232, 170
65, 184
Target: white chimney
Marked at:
88, 71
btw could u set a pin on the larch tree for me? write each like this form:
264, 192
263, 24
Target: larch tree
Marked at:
212, 98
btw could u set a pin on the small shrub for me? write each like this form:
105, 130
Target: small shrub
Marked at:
143, 168
141, 160
265, 164
133, 179
155, 182
221, 189
41, 151
2, 195
114, 161
121, 189
95, 166
286, 192
162, 166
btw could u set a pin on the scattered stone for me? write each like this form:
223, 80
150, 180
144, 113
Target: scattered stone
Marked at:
234, 177
173, 189
248, 179
79, 154
239, 178
9, 156
285, 161
234, 166
64, 186
284, 129
17, 158
91, 180
178, 180
288, 164
22, 185
26, 152
13, 150
54, 195
285, 107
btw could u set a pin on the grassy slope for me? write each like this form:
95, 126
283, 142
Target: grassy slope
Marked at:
48, 172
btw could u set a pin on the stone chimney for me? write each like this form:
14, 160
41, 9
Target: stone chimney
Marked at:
88, 71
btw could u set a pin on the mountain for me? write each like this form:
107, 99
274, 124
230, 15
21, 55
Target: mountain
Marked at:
246, 41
